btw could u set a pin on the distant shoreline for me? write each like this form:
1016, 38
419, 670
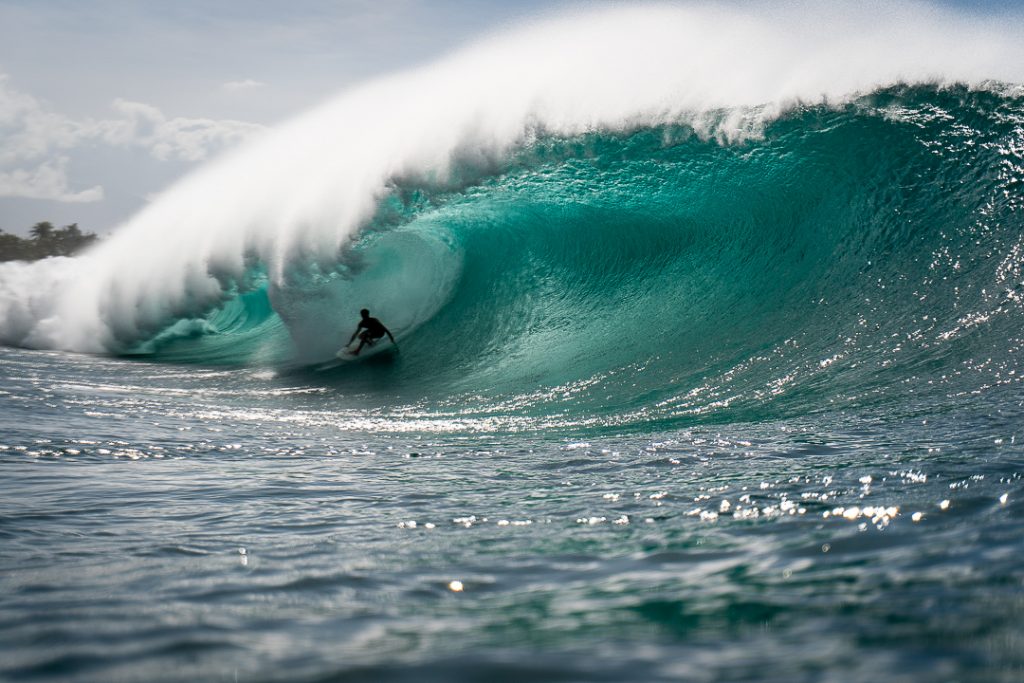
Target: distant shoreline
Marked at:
45, 241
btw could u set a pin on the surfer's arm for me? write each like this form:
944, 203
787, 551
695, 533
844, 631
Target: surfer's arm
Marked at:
353, 337
388, 332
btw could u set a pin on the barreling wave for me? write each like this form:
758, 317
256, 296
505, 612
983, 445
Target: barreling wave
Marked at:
630, 216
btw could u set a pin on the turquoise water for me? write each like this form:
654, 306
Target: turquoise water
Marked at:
665, 408
856, 255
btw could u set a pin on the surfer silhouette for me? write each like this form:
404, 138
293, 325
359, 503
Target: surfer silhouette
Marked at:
374, 331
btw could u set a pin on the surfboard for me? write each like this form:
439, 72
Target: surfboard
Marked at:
379, 348
373, 348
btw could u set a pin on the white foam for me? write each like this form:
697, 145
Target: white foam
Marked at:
309, 185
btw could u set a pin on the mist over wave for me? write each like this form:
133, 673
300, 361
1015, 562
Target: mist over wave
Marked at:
731, 206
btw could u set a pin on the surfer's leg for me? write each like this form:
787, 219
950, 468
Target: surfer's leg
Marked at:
362, 342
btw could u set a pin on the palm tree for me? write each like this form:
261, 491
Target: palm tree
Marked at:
67, 240
42, 231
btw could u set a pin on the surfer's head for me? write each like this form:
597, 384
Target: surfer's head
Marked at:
365, 312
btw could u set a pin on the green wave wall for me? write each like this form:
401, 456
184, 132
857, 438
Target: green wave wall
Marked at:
846, 255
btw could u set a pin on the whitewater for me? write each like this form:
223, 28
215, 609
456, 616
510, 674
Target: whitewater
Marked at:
709, 329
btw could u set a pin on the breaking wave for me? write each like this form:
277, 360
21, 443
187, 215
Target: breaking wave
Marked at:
631, 215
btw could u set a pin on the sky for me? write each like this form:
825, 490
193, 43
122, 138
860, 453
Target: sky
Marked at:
104, 103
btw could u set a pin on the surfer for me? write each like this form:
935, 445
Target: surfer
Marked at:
374, 330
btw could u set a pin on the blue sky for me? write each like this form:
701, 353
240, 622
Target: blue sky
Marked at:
105, 102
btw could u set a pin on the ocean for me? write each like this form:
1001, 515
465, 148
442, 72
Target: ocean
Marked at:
688, 388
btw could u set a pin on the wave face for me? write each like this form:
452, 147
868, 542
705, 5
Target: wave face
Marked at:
696, 251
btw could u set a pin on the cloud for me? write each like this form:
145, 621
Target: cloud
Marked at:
35, 141
48, 180
28, 130
188, 139
247, 84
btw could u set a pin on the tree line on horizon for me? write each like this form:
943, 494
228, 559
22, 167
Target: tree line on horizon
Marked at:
45, 241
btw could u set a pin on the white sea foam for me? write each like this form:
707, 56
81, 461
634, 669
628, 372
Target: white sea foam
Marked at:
307, 186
